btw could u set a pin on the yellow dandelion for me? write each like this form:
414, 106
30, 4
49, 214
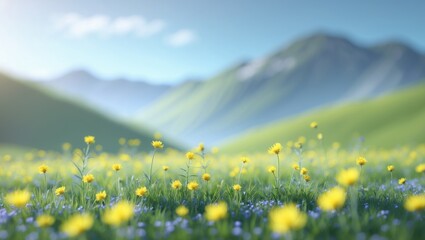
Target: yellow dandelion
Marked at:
402, 181
314, 125
296, 167
88, 178
271, 169
415, 203
304, 171
237, 187
89, 140
245, 160
201, 147
192, 186
190, 155
361, 161
141, 191
165, 168
77, 224
182, 211
332, 200
348, 177
216, 212
420, 168
43, 169
101, 196
45, 220
118, 214
18, 198
206, 177
59, 191
116, 167
286, 219
157, 144
275, 148
176, 184
390, 168
306, 178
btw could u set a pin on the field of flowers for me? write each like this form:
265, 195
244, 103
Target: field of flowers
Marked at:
296, 190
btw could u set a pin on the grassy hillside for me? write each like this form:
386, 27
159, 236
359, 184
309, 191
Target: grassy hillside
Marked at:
34, 118
388, 121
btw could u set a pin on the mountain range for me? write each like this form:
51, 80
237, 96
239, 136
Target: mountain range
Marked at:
315, 71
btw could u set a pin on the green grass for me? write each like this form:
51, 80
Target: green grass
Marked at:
33, 117
388, 121
380, 203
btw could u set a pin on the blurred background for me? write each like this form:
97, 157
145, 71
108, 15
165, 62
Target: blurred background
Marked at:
237, 74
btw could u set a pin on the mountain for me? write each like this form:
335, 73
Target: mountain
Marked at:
387, 121
313, 72
120, 97
33, 117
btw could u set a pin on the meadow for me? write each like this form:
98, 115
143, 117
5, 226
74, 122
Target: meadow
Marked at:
295, 190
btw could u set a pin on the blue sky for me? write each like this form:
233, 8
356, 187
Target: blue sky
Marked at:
170, 41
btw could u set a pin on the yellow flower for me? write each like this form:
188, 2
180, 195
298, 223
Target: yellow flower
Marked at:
306, 178
415, 203
332, 200
116, 167
420, 168
89, 139
122, 141
18, 198
275, 148
134, 142
157, 144
100, 196
237, 187
165, 168
190, 155
390, 168
348, 177
299, 145
77, 224
43, 169
286, 219
60, 190
206, 177
314, 125
271, 169
176, 184
215, 212
361, 161
182, 211
141, 191
192, 186
304, 171
296, 167
402, 181
320, 136
119, 214
201, 147
45, 220
88, 178
245, 160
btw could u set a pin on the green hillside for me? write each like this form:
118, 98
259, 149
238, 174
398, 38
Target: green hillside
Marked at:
388, 121
32, 117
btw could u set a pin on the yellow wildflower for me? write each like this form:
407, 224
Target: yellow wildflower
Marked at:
88, 178
402, 181
45, 220
192, 186
141, 191
332, 200
201, 147
296, 167
390, 168
119, 214
304, 171
237, 187
165, 168
415, 203
420, 168
271, 169
100, 196
206, 177
275, 148
116, 167
306, 178
182, 211
286, 219
314, 125
348, 177
77, 224
89, 139
190, 155
176, 184
245, 160
157, 144
43, 169
361, 161
18, 198
59, 191
215, 212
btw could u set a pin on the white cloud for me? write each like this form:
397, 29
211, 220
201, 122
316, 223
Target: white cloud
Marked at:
181, 38
79, 26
